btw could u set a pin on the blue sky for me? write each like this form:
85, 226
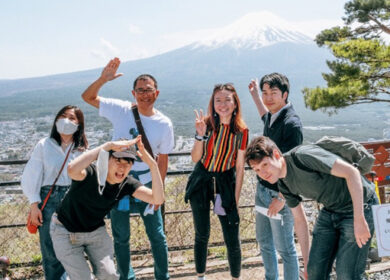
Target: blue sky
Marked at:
44, 37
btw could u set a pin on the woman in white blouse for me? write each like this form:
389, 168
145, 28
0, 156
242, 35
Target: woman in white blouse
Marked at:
40, 172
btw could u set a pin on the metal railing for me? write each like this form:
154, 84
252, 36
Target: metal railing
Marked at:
173, 218
140, 250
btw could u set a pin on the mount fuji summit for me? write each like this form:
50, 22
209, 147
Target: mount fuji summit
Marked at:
254, 31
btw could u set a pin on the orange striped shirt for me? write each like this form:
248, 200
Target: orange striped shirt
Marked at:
220, 149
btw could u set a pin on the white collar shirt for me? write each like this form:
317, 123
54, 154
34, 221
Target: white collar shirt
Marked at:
276, 115
43, 166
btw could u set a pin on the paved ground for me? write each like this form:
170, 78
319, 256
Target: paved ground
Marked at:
252, 269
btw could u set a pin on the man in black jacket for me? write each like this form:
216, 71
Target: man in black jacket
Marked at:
274, 220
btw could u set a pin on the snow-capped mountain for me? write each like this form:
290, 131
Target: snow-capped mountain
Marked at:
253, 45
254, 31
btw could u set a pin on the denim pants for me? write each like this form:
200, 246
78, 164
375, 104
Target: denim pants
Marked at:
279, 234
120, 223
71, 246
52, 267
231, 235
333, 238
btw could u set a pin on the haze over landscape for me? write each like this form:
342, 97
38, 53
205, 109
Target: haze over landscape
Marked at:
255, 44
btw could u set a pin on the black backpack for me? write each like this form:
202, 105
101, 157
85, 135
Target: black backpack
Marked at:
349, 150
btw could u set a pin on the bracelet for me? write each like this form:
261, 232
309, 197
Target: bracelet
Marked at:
200, 138
279, 198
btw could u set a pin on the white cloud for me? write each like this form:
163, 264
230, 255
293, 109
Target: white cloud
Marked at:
134, 53
106, 50
171, 41
313, 27
98, 54
175, 40
110, 48
134, 29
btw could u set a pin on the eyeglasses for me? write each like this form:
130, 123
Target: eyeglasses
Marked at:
145, 91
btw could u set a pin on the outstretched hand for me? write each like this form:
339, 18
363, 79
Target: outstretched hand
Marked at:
254, 86
109, 72
200, 124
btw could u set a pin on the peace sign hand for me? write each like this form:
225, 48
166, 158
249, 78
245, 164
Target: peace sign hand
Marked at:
200, 124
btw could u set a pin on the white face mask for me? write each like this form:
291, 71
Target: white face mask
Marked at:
65, 126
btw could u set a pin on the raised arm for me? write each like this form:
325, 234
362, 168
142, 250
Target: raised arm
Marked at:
77, 167
255, 93
302, 231
354, 182
156, 194
200, 127
90, 95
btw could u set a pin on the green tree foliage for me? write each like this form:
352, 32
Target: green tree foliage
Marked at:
360, 72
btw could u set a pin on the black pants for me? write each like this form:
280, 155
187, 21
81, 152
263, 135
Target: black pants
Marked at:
231, 236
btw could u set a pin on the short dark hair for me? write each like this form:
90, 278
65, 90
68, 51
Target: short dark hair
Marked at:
259, 148
276, 80
110, 154
145, 77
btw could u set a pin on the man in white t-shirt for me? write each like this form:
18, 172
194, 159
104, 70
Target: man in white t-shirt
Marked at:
159, 131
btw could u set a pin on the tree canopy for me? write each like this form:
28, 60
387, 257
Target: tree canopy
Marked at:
360, 72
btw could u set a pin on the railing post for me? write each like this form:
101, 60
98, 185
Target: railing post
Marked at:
382, 194
163, 213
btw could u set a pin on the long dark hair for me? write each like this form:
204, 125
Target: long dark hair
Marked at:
237, 123
79, 138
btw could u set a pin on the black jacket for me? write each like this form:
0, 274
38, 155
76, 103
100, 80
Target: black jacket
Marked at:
286, 132
200, 188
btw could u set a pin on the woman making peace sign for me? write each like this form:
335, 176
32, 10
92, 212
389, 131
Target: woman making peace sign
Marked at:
219, 150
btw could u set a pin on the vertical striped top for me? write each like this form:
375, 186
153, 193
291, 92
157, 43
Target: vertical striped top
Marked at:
220, 149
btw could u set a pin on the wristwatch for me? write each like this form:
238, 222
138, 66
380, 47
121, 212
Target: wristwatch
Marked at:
200, 138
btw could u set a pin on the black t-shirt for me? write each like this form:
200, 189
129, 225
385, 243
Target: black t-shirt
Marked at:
83, 208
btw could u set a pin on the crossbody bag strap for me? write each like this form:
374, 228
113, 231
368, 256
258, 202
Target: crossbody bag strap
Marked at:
141, 130
56, 179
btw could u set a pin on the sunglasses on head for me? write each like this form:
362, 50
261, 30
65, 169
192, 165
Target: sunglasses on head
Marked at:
227, 86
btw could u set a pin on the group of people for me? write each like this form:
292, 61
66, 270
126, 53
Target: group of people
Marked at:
126, 175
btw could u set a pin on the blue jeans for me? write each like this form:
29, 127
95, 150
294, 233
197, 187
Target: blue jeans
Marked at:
70, 248
279, 234
333, 238
120, 223
51, 265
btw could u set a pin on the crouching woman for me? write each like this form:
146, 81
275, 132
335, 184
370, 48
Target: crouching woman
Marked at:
78, 225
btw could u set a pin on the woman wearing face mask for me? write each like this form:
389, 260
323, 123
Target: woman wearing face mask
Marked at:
219, 150
49, 154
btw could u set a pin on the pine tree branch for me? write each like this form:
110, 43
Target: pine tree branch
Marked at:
381, 25
369, 100
384, 90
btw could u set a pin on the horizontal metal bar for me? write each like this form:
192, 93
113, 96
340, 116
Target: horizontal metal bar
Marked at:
24, 161
11, 162
146, 251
